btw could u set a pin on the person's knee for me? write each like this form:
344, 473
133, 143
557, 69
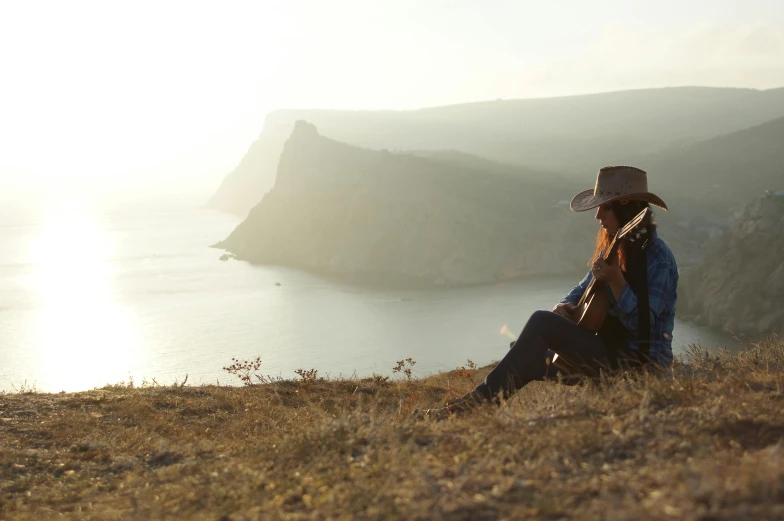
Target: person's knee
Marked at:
539, 320
538, 324
541, 315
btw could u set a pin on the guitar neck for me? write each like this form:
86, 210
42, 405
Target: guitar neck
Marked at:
627, 229
607, 257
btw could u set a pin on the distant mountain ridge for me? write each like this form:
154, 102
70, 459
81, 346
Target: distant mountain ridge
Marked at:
575, 134
733, 168
378, 216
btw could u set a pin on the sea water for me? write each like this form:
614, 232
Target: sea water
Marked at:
90, 297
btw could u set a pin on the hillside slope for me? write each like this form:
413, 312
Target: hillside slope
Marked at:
728, 170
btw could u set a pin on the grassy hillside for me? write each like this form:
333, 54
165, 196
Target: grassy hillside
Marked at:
701, 443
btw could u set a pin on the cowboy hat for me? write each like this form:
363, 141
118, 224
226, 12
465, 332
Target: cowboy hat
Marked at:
616, 183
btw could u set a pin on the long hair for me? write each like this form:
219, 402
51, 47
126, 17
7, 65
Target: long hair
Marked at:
624, 212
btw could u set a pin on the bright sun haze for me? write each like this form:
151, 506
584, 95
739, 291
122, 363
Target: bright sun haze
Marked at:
79, 310
163, 98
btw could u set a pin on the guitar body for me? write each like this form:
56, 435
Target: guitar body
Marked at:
592, 314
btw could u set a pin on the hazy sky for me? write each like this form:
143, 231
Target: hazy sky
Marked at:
111, 96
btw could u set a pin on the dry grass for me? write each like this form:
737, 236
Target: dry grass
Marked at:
702, 443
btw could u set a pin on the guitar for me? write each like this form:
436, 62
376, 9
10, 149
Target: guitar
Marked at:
594, 304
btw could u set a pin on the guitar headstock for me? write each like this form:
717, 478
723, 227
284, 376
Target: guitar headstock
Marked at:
635, 229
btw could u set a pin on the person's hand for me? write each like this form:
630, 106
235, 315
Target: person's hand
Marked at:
606, 273
566, 310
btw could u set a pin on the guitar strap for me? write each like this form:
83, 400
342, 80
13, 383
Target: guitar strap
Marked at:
643, 306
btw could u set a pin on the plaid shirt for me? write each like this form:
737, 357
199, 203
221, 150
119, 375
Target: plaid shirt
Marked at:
662, 286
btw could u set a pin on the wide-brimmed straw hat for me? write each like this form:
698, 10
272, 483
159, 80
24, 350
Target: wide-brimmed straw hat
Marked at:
616, 183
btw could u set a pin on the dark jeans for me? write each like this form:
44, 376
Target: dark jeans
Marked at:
545, 334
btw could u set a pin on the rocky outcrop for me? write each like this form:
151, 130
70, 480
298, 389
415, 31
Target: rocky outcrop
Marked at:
378, 216
739, 285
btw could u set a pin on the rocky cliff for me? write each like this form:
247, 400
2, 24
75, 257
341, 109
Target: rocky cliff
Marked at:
740, 284
244, 187
379, 216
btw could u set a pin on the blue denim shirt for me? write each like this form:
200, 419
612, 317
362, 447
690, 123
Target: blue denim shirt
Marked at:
662, 293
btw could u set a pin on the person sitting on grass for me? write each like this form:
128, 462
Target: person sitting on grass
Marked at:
639, 282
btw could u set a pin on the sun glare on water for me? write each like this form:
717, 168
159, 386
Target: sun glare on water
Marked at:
83, 337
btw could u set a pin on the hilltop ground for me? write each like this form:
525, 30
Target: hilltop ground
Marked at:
704, 442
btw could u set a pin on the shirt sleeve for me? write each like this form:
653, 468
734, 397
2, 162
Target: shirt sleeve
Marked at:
577, 291
660, 279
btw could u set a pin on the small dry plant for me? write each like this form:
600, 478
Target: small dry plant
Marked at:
464, 372
246, 370
408, 401
404, 366
307, 377
377, 379
411, 396
25, 388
